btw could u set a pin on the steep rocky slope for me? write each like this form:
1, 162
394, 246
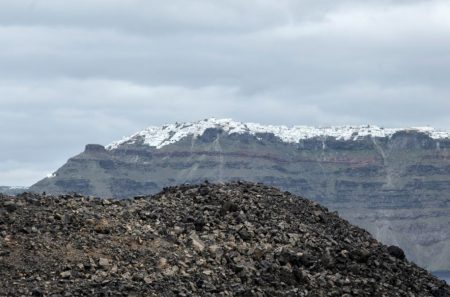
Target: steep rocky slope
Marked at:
393, 182
237, 239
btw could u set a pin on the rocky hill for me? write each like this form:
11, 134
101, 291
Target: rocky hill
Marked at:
236, 239
393, 182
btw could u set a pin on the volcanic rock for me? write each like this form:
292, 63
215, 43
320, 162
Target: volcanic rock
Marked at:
254, 240
397, 252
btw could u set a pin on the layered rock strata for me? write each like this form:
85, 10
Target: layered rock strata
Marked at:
393, 182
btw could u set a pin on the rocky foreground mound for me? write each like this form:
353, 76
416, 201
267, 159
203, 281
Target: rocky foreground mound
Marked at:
237, 239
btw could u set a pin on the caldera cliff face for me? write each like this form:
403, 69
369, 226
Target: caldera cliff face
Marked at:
395, 184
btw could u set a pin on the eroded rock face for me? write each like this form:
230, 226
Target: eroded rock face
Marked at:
396, 187
236, 239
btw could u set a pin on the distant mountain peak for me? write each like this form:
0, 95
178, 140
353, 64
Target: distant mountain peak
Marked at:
160, 136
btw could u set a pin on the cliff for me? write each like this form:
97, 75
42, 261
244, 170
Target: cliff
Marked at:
393, 182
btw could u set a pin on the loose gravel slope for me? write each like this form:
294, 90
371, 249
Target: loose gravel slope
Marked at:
234, 239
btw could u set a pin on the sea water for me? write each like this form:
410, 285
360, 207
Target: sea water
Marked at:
445, 275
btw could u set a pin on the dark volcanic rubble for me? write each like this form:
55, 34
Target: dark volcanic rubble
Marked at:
236, 239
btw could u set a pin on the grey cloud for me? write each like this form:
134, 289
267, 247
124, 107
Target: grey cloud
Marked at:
72, 73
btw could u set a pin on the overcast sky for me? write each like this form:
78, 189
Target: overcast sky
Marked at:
92, 71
